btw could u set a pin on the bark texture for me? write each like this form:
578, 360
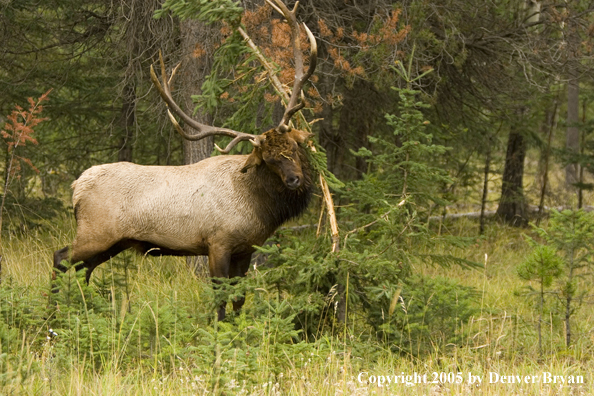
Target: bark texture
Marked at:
198, 41
512, 205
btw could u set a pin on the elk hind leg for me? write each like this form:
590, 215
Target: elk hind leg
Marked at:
99, 258
59, 256
89, 260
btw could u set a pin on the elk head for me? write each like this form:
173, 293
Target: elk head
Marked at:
278, 148
280, 152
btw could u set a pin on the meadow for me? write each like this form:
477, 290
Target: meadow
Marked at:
146, 326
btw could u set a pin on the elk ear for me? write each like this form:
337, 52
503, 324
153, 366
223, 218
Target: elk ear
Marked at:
299, 136
254, 159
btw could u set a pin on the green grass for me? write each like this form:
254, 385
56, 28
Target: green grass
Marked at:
159, 337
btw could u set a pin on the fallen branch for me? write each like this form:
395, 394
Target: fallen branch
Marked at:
488, 213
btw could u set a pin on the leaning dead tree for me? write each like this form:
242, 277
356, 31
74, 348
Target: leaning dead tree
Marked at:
290, 100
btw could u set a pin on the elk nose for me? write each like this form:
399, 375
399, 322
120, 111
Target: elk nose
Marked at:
293, 182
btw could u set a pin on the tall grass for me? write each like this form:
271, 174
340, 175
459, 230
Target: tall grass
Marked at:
157, 335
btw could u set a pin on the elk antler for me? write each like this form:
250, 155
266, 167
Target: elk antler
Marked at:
294, 105
203, 130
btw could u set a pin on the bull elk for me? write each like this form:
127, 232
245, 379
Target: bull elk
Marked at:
220, 207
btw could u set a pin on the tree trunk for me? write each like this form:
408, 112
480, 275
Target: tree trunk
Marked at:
347, 126
486, 173
362, 105
127, 122
198, 42
582, 151
330, 139
512, 204
547, 127
572, 142
142, 36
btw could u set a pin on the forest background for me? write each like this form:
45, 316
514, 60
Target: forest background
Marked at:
453, 129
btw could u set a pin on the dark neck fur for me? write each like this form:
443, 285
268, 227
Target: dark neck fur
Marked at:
280, 203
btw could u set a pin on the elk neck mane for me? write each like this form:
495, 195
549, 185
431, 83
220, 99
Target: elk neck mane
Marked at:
279, 203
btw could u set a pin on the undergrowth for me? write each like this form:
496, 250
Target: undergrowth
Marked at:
147, 326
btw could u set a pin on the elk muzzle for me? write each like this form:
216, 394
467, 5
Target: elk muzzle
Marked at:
293, 182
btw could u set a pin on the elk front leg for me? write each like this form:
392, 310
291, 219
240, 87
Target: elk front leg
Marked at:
239, 267
218, 262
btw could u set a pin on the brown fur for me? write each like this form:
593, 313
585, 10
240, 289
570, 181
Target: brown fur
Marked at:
220, 207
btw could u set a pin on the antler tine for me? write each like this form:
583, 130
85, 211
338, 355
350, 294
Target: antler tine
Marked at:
203, 130
254, 140
278, 9
290, 111
300, 78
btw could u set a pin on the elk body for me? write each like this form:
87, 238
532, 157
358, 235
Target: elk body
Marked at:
220, 207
